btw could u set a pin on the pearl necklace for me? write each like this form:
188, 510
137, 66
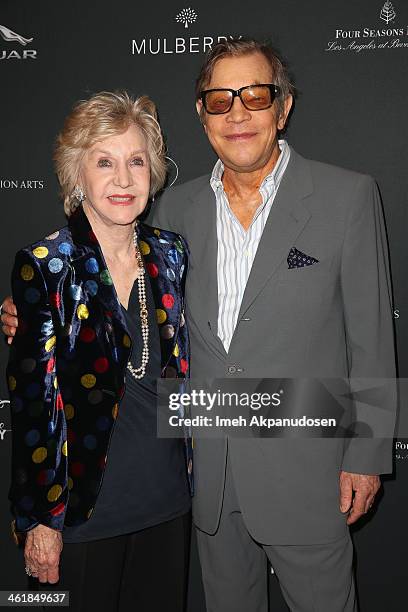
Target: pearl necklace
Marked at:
144, 321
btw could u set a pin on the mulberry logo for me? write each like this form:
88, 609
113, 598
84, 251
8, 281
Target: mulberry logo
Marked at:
174, 44
10, 36
186, 16
387, 13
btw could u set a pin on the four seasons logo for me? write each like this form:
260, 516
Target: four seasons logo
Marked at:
357, 40
387, 13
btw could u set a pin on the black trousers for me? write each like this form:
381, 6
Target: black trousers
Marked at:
145, 571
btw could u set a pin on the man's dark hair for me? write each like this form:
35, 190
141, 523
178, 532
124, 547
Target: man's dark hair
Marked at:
241, 47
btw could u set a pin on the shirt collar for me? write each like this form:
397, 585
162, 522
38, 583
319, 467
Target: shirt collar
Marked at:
270, 182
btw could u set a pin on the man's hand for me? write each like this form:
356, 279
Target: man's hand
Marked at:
9, 318
364, 488
42, 553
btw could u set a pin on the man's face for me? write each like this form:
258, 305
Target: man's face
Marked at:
244, 140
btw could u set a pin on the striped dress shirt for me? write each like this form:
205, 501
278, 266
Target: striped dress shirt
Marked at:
237, 247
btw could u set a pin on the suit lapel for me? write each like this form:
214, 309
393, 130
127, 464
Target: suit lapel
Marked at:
88, 264
203, 244
287, 218
162, 260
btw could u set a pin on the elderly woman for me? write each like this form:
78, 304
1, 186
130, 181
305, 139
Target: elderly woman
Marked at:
104, 504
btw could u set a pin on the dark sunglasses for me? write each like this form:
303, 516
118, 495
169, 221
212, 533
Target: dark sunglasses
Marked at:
253, 97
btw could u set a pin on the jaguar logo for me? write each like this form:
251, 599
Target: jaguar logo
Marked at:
10, 36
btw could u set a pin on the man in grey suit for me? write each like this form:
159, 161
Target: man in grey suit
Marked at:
289, 278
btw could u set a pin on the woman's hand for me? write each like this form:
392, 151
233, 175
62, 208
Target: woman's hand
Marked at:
9, 318
42, 553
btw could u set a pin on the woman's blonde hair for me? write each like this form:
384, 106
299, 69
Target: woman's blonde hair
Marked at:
103, 115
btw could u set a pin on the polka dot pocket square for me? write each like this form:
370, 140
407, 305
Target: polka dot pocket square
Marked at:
297, 259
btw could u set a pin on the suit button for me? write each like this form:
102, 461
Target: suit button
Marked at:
232, 369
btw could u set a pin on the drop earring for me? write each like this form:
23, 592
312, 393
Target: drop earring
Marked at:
78, 194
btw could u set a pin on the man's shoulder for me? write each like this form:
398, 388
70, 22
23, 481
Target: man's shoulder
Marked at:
331, 174
337, 174
186, 191
332, 190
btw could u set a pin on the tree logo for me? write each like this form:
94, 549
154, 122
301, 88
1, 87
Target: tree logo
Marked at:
10, 36
186, 16
387, 13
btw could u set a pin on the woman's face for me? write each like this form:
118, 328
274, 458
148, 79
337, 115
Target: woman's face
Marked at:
115, 176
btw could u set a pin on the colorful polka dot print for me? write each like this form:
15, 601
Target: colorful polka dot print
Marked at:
67, 365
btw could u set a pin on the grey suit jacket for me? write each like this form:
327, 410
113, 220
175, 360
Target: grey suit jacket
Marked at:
331, 319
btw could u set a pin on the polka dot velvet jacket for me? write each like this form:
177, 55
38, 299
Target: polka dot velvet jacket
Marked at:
67, 364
